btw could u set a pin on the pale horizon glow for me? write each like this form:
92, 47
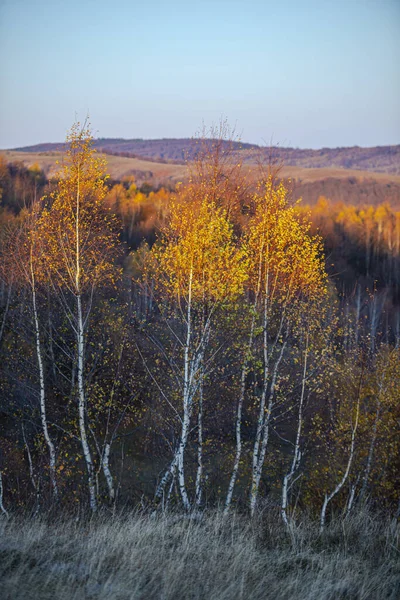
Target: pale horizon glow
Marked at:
311, 74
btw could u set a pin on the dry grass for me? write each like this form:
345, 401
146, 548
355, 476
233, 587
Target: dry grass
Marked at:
134, 556
308, 175
117, 166
120, 167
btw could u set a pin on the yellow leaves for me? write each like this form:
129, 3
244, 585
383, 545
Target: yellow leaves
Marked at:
79, 233
367, 226
282, 253
197, 258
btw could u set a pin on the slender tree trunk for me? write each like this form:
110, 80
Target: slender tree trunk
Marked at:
181, 455
341, 483
34, 480
104, 453
80, 338
2, 509
245, 369
238, 431
199, 474
262, 435
177, 462
262, 418
352, 495
105, 461
82, 408
238, 425
297, 453
171, 487
170, 473
186, 401
50, 445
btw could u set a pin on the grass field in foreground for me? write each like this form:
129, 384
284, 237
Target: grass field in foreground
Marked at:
174, 557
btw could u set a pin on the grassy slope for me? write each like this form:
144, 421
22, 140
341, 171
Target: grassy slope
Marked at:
385, 159
121, 166
118, 167
347, 185
175, 558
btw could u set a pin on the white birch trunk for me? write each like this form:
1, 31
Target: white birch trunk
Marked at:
262, 436
107, 472
192, 381
81, 361
199, 474
177, 462
170, 473
181, 455
238, 432
171, 487
287, 480
245, 368
50, 445
3, 510
238, 424
186, 402
82, 409
341, 483
352, 495
34, 480
262, 418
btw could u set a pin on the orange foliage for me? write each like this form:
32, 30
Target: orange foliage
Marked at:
197, 257
77, 229
282, 253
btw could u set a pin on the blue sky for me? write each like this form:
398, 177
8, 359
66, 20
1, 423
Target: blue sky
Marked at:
308, 73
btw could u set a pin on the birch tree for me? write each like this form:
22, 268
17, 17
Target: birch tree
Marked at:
198, 271
355, 417
288, 478
25, 262
80, 244
285, 265
34, 261
311, 354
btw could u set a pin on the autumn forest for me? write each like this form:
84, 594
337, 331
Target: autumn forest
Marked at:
216, 344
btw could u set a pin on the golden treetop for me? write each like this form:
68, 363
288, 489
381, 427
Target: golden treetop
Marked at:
284, 259
197, 259
77, 229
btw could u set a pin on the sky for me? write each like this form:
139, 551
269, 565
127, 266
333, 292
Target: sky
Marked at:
301, 73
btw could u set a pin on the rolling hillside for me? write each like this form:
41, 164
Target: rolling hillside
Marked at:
381, 159
338, 184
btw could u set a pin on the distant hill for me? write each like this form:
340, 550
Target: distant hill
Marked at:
378, 159
168, 150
